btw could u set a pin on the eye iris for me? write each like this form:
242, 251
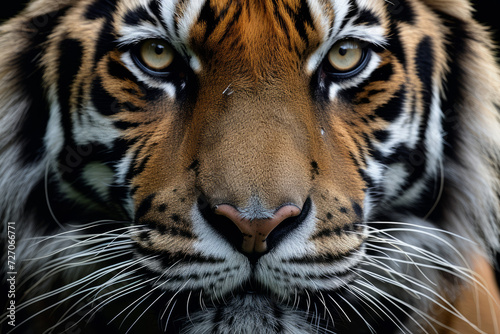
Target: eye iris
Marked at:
156, 55
345, 55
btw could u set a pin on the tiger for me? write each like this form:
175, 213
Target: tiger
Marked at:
251, 167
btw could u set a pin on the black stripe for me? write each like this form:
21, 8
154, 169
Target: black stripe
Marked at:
282, 23
424, 201
100, 8
155, 8
134, 17
394, 43
357, 210
102, 100
208, 16
167, 257
230, 24
105, 42
374, 153
323, 258
457, 42
402, 11
34, 123
366, 17
375, 91
415, 160
163, 229
354, 160
140, 168
381, 135
131, 172
117, 70
394, 107
382, 73
70, 61
337, 231
119, 192
302, 18
123, 125
424, 61
72, 157
327, 232
144, 207
353, 10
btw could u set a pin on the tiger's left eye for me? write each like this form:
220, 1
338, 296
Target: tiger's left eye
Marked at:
346, 57
156, 55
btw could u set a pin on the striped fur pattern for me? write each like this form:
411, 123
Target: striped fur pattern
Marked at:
114, 170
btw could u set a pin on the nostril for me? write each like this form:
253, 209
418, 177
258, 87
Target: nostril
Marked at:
288, 225
223, 225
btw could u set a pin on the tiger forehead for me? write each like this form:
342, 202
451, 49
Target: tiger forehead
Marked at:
255, 30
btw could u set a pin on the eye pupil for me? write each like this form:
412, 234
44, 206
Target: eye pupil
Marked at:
342, 51
159, 49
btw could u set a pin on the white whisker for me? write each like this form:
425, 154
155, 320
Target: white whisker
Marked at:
145, 310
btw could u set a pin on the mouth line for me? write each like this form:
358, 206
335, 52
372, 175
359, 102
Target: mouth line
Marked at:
252, 287
255, 288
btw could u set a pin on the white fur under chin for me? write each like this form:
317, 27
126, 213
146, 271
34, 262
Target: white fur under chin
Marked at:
249, 314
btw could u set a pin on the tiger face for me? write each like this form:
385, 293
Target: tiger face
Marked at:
249, 166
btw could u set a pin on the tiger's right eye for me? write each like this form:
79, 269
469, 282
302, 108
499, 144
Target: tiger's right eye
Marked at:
346, 59
345, 56
155, 55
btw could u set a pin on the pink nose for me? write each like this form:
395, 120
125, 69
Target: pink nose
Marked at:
255, 232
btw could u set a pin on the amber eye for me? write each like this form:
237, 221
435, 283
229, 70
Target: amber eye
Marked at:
345, 57
156, 55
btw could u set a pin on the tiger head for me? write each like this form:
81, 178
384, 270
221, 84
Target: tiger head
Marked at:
250, 166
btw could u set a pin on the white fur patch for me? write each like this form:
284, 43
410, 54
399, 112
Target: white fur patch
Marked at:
54, 137
434, 134
90, 126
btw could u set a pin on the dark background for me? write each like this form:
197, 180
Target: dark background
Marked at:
486, 12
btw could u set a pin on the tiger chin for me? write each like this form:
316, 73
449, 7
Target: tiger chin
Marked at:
214, 166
